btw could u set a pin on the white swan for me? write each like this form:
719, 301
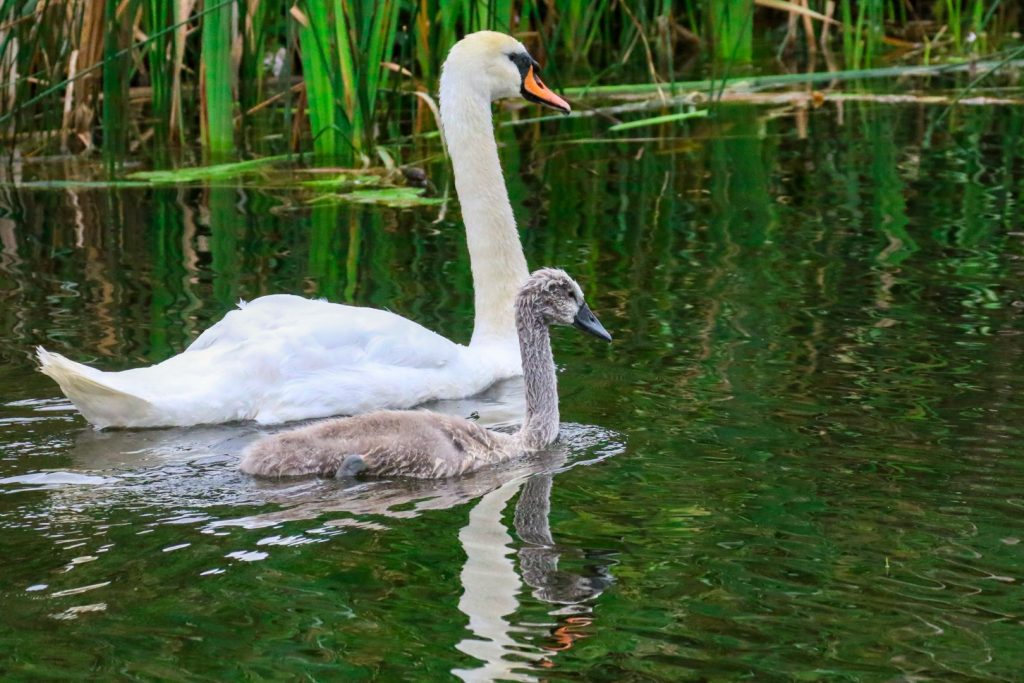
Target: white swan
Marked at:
283, 357
426, 445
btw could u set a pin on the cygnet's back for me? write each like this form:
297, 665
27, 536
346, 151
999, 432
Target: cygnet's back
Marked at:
410, 443
429, 445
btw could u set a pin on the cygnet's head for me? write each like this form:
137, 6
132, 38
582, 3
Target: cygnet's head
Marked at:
553, 297
497, 66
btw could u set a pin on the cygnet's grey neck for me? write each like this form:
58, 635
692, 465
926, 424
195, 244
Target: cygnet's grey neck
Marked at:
539, 376
496, 255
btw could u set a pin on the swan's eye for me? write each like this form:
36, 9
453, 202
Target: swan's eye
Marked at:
523, 62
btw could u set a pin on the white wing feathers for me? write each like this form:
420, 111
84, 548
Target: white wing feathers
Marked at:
281, 358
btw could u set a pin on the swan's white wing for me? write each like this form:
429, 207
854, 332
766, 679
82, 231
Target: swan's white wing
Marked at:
283, 358
352, 360
318, 334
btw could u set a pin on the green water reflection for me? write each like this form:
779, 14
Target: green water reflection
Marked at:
800, 459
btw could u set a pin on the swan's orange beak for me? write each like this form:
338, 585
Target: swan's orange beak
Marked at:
535, 91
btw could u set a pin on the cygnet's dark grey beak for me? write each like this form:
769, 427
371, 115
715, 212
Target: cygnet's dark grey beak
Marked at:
588, 322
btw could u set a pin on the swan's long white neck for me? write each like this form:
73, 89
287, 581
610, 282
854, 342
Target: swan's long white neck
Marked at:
495, 254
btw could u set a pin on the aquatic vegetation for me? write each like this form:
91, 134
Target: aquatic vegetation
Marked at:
655, 120
206, 173
396, 197
215, 81
342, 78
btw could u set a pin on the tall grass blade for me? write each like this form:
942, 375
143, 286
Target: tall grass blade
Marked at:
115, 88
250, 82
315, 47
156, 15
732, 25
216, 84
349, 90
182, 9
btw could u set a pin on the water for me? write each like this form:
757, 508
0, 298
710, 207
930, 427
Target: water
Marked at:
800, 459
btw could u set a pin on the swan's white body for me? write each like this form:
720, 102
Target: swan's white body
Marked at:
281, 357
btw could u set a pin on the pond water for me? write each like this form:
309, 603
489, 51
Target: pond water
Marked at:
801, 458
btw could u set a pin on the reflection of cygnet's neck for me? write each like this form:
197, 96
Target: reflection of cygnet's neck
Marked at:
498, 264
539, 555
541, 425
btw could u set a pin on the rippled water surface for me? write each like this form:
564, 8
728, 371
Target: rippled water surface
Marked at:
801, 458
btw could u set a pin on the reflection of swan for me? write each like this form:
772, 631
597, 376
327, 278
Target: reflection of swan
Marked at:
427, 445
538, 558
188, 477
491, 585
489, 589
283, 358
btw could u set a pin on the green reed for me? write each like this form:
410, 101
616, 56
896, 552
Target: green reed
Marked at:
255, 31
115, 86
732, 26
334, 76
864, 28
216, 81
343, 47
156, 15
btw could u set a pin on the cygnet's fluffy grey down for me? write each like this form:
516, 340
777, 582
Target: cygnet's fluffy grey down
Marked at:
426, 445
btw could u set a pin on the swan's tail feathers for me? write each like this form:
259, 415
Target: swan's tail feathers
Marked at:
99, 402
